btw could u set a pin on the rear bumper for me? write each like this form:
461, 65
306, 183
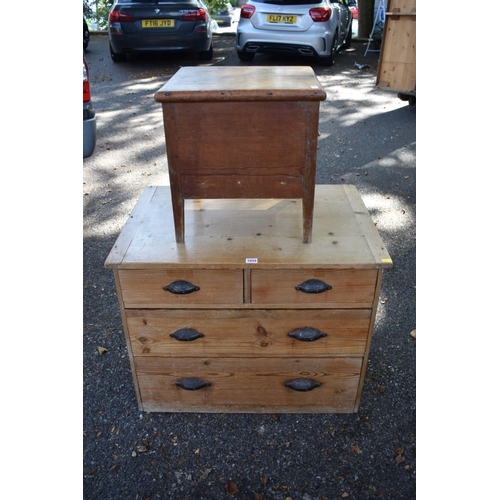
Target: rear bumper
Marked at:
224, 22
195, 42
307, 44
262, 47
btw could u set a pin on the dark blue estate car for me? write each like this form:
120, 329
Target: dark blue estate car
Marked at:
141, 26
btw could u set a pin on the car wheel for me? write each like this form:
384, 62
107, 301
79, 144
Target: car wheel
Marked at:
86, 35
208, 54
246, 56
117, 57
330, 59
348, 39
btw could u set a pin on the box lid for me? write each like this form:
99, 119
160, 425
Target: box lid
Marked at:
251, 83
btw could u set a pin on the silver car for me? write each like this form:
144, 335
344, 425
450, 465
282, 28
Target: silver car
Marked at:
224, 17
311, 28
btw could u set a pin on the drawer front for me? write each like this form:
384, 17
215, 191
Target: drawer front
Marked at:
321, 288
141, 288
250, 333
240, 385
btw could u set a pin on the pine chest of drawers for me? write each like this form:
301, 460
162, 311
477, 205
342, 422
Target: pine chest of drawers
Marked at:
243, 316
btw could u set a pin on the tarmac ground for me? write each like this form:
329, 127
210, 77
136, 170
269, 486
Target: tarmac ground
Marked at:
367, 138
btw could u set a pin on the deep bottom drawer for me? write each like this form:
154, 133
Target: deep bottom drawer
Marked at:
326, 385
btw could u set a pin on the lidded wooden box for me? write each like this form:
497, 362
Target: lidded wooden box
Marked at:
242, 132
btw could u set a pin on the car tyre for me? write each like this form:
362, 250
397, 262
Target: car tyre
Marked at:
207, 55
117, 57
348, 39
86, 35
330, 59
245, 56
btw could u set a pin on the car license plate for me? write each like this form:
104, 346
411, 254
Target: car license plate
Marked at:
158, 23
282, 19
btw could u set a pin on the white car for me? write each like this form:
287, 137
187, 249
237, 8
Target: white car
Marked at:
311, 28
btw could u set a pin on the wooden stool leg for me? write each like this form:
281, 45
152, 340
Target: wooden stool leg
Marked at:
307, 215
309, 171
178, 211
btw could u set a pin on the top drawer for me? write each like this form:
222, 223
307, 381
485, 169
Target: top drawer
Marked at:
154, 289
315, 287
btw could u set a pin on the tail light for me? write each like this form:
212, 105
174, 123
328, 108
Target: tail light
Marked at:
247, 11
86, 83
320, 14
195, 15
115, 16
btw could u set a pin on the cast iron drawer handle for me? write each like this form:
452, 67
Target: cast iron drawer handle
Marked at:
192, 384
186, 334
313, 286
303, 384
181, 287
307, 334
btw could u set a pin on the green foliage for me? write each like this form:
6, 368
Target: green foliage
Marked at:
215, 6
97, 11
87, 11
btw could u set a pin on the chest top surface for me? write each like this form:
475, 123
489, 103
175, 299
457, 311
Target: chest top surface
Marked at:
251, 234
213, 83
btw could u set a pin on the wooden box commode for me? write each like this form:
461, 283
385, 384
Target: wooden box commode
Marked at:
242, 132
243, 317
